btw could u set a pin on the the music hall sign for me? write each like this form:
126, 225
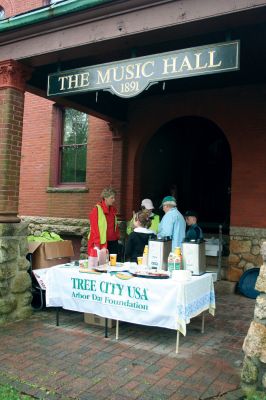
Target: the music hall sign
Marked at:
128, 78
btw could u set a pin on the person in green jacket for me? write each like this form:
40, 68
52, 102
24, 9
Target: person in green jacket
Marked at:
147, 206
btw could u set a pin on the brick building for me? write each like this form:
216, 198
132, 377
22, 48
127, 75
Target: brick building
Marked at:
201, 137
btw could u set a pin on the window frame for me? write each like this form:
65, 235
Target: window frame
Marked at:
59, 135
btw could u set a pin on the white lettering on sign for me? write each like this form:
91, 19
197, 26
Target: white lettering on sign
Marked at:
130, 77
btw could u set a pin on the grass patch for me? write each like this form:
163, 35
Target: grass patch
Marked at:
7, 392
256, 396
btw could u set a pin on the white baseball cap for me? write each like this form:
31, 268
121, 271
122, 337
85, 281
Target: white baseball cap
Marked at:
147, 203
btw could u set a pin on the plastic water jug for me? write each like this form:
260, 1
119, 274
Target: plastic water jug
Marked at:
93, 258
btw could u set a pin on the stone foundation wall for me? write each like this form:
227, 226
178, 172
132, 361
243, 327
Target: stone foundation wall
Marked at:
15, 282
64, 227
254, 368
245, 245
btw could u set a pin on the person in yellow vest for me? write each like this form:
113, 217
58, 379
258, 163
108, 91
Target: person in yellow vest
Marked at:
147, 206
104, 231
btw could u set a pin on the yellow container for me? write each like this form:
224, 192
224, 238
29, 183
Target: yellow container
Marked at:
140, 260
177, 251
146, 249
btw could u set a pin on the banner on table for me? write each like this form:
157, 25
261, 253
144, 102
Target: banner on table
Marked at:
155, 302
135, 300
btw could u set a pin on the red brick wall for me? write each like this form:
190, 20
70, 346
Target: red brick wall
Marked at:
240, 113
13, 7
39, 155
237, 111
248, 143
35, 155
99, 163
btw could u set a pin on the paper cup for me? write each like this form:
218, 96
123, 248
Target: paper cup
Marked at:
113, 260
140, 260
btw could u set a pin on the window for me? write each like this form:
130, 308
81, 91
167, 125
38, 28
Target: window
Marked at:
73, 147
2, 13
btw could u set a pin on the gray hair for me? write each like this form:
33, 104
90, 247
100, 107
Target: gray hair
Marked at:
170, 204
107, 192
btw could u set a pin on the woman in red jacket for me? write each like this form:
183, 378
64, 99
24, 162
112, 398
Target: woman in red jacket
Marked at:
104, 232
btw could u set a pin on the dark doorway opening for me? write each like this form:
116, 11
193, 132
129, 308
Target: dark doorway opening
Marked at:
190, 158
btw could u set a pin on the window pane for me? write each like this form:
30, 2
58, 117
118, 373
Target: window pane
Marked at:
73, 164
74, 146
75, 127
81, 155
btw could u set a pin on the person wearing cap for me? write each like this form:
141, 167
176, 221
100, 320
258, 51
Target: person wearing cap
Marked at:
194, 231
147, 206
104, 231
173, 223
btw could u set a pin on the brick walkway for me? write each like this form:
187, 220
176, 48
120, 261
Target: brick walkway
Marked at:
75, 361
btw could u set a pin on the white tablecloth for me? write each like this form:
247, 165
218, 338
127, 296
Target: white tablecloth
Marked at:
155, 302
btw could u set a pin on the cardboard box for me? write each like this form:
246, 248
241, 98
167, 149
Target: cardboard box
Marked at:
48, 254
94, 319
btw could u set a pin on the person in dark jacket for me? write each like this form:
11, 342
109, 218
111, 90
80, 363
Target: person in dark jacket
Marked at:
140, 236
194, 231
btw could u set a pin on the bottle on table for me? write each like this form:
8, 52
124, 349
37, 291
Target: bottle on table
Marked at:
178, 254
171, 262
103, 257
174, 260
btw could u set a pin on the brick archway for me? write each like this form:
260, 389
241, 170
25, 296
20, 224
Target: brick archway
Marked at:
190, 158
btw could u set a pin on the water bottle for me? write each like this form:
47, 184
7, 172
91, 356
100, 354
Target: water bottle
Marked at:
103, 257
171, 263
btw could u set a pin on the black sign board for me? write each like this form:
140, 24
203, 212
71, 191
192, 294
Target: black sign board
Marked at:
128, 78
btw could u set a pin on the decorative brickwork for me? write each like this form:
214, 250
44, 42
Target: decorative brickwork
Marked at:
14, 75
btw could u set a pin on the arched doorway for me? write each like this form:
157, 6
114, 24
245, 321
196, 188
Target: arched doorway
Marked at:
190, 158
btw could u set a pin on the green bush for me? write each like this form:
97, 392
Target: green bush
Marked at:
256, 396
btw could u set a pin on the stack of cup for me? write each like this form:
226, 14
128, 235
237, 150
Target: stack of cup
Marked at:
113, 258
140, 260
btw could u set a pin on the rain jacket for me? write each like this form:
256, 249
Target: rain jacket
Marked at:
103, 226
